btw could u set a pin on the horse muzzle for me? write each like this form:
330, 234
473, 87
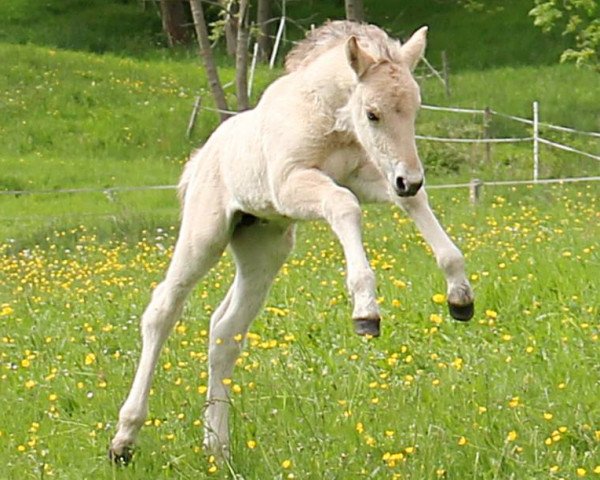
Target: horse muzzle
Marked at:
406, 188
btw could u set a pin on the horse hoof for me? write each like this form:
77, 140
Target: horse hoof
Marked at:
463, 313
123, 458
367, 326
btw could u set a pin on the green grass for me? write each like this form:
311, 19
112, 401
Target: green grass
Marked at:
106, 105
94, 25
432, 398
79, 120
501, 34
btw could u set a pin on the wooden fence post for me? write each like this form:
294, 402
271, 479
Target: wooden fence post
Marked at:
475, 189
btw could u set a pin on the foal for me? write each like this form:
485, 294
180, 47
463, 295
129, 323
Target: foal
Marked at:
335, 131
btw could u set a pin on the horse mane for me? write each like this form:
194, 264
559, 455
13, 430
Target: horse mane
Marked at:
333, 33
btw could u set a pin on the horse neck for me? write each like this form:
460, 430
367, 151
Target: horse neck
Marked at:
329, 80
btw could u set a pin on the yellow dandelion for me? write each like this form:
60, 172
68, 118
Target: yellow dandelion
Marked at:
438, 298
286, 464
512, 436
457, 363
251, 444
462, 441
548, 416
90, 358
491, 314
581, 472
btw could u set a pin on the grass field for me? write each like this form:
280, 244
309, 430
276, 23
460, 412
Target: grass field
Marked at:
513, 394
79, 120
90, 98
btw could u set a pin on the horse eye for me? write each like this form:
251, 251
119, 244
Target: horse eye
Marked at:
372, 116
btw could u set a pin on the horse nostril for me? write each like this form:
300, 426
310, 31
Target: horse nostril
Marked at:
407, 189
414, 188
400, 185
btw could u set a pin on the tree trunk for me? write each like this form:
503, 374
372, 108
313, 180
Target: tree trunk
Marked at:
207, 58
354, 10
265, 43
172, 14
241, 58
231, 9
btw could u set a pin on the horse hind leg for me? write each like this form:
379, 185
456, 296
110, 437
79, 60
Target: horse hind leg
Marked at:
198, 248
259, 251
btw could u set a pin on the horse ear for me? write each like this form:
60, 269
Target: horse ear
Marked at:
412, 51
358, 59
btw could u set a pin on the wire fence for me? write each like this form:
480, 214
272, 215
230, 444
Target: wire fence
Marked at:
536, 139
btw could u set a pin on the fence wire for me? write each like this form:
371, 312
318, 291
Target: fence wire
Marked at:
110, 191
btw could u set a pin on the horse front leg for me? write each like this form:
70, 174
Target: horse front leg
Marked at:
309, 194
449, 258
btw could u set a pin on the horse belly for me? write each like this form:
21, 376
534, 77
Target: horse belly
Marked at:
243, 168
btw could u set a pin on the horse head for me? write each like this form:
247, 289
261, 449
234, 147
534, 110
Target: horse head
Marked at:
382, 110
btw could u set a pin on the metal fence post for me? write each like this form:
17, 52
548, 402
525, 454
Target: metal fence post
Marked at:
252, 68
193, 116
487, 120
277, 41
536, 142
446, 73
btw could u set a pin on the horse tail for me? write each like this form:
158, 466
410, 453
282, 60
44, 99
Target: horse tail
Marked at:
186, 177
